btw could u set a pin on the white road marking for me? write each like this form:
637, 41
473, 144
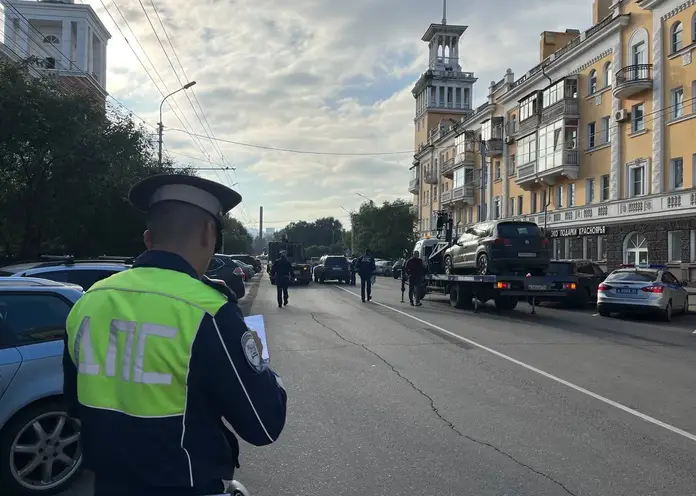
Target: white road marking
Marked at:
577, 388
595, 315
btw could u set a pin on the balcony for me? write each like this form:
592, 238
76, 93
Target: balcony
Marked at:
429, 176
414, 186
463, 194
564, 108
632, 80
493, 137
527, 126
446, 197
447, 168
530, 174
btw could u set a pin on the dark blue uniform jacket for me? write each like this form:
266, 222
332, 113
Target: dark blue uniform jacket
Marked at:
366, 266
133, 456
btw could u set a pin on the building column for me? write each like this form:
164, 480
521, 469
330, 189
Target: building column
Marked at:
489, 191
615, 137
506, 184
657, 179
23, 37
66, 45
81, 50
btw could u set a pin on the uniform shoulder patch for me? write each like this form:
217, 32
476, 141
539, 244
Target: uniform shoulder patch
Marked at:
251, 351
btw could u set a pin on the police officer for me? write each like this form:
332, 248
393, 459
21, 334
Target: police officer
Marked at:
414, 268
352, 271
283, 272
366, 267
157, 356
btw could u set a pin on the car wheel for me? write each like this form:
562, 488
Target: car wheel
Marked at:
604, 312
482, 264
667, 312
40, 451
448, 264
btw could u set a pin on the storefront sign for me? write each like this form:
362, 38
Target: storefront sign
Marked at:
577, 231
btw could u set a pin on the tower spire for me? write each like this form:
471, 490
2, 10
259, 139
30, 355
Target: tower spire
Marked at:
444, 12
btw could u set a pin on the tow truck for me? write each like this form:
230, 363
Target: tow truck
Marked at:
296, 255
470, 291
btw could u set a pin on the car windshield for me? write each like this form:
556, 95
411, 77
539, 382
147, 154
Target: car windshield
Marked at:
513, 229
560, 269
336, 261
633, 276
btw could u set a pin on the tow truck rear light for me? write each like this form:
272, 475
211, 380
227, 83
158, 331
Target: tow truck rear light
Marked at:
603, 287
571, 286
654, 289
502, 241
544, 243
502, 285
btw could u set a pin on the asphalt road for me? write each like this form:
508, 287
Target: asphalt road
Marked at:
386, 399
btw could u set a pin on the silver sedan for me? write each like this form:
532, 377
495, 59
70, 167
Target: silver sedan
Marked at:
642, 289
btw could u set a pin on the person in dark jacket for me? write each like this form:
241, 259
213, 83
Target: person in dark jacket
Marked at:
283, 273
414, 268
352, 271
366, 267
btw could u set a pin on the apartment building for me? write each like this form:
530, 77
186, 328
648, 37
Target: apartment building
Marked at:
597, 142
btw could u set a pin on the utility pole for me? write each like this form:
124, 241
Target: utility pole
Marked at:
160, 130
160, 126
261, 229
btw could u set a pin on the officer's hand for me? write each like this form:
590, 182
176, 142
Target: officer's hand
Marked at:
257, 340
220, 286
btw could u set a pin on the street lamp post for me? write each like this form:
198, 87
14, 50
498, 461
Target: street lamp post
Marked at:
160, 126
372, 203
352, 230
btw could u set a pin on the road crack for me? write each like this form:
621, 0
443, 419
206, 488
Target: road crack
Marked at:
439, 414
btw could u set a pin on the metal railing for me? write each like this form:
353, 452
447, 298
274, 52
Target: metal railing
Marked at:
633, 74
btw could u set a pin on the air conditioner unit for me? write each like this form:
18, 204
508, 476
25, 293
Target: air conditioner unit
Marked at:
509, 140
622, 115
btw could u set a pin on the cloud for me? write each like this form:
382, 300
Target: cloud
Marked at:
313, 75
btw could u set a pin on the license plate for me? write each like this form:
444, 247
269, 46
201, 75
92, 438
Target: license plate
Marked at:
526, 255
626, 291
538, 287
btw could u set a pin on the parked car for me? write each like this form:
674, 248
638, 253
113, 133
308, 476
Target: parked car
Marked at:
642, 289
332, 267
383, 268
39, 444
499, 247
83, 272
587, 275
397, 268
248, 270
247, 259
224, 268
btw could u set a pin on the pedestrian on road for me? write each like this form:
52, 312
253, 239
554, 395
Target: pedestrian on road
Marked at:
365, 266
283, 272
158, 358
352, 271
414, 268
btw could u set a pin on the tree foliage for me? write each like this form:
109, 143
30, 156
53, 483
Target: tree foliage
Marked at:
66, 165
236, 237
326, 231
386, 230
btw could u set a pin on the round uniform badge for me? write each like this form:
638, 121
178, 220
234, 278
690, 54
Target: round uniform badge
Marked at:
251, 351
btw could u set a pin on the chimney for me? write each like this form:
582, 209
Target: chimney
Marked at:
601, 9
552, 41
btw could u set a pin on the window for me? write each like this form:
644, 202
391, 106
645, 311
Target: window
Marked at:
559, 197
589, 190
604, 184
462, 145
511, 207
677, 103
677, 176
636, 180
520, 205
497, 170
87, 278
607, 74
638, 117
496, 208
513, 124
571, 195
50, 63
31, 318
591, 135
486, 131
51, 40
674, 246
605, 124
676, 37
511, 166
517, 229
592, 83
551, 146
459, 175
526, 149
565, 88
639, 52
601, 247
635, 249
544, 201
533, 203
528, 107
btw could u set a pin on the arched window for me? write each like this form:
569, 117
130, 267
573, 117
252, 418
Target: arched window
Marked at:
51, 40
676, 37
639, 44
607, 74
635, 249
592, 85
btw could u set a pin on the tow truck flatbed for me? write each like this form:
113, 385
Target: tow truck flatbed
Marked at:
512, 285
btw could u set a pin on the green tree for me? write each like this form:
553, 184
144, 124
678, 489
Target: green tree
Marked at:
235, 236
66, 165
326, 231
387, 230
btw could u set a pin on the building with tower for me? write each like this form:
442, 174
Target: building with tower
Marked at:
594, 143
68, 39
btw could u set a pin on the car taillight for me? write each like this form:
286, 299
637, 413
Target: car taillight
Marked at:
654, 289
544, 243
502, 241
571, 286
603, 287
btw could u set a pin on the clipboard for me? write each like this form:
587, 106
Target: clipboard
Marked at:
255, 323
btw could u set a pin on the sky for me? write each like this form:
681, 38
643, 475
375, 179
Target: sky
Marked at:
311, 75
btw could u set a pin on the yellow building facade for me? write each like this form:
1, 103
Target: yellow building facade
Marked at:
597, 143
